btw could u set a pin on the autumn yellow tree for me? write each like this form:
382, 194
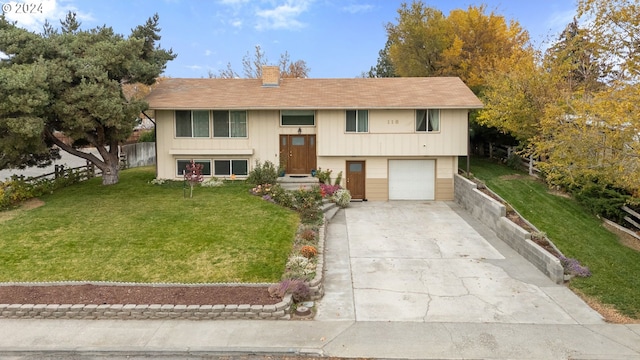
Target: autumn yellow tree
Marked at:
479, 43
516, 96
591, 133
418, 40
467, 43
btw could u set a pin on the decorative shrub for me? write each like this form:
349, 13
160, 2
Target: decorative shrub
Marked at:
158, 181
308, 235
212, 182
263, 173
17, 189
299, 267
342, 198
193, 175
298, 289
324, 176
281, 196
602, 200
573, 267
327, 190
307, 204
147, 136
309, 251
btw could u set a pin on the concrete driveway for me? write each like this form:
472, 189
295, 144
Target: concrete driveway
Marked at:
432, 262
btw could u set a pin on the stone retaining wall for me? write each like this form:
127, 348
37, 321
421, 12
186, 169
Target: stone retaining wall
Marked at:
154, 311
493, 214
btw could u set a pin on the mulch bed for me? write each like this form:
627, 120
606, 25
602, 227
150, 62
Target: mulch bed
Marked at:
115, 294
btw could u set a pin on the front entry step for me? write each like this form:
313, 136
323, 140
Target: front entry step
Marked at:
296, 182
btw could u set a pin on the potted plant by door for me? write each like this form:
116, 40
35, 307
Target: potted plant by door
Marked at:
282, 167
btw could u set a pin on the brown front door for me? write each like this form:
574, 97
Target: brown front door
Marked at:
299, 152
355, 179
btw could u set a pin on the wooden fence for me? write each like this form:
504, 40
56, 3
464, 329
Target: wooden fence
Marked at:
633, 218
84, 172
503, 152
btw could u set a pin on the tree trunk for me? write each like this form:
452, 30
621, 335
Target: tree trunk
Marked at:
111, 173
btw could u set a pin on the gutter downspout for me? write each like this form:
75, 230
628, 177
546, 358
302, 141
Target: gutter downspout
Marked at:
155, 136
468, 142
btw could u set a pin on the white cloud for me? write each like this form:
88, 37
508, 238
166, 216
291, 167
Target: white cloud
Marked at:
282, 16
237, 23
194, 67
32, 15
358, 8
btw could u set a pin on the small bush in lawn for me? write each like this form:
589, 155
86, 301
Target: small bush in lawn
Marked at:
265, 173
193, 175
342, 197
212, 182
158, 181
309, 251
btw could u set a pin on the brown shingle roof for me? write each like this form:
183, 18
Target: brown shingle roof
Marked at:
363, 93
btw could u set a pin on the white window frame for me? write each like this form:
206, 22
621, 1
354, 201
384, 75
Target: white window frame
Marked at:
358, 120
428, 114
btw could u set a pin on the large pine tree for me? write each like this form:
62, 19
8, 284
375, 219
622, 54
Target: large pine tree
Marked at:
70, 81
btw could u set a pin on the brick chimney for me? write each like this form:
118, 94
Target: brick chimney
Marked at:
270, 75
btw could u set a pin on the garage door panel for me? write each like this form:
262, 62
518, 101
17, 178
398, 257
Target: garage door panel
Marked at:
411, 179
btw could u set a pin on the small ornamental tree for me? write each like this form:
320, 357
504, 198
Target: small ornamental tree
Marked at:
193, 175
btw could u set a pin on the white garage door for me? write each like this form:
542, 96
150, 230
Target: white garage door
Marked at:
412, 179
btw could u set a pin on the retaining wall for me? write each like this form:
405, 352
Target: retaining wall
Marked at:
153, 311
493, 214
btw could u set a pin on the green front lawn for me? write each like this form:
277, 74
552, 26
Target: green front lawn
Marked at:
135, 231
577, 233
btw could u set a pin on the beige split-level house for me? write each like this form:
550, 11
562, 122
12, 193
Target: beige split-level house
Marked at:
393, 138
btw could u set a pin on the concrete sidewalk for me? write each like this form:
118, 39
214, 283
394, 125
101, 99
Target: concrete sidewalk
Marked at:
345, 325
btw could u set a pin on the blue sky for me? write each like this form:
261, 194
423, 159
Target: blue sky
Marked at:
336, 38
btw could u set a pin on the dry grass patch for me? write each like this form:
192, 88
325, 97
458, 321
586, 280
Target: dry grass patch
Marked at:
608, 312
25, 206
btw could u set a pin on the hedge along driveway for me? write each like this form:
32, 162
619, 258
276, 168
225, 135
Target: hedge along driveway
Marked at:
576, 232
135, 231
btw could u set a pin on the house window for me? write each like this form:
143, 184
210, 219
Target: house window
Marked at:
229, 124
428, 120
298, 118
192, 123
228, 167
182, 166
357, 120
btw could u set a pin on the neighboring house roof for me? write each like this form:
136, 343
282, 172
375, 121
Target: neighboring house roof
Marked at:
356, 93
